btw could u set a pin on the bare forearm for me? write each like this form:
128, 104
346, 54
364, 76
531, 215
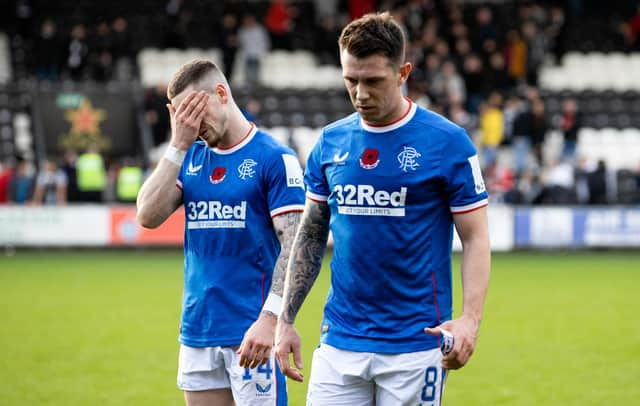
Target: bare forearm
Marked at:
476, 265
159, 196
306, 258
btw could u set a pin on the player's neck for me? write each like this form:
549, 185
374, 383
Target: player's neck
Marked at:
238, 129
400, 111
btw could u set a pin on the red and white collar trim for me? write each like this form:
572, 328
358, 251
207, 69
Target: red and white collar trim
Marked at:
406, 117
244, 141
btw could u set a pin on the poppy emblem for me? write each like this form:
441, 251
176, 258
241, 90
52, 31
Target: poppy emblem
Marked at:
218, 175
369, 158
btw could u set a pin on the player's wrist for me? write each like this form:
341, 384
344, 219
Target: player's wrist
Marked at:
175, 154
179, 144
273, 305
476, 319
268, 314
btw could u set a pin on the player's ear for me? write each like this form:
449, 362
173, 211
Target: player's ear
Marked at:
222, 93
405, 70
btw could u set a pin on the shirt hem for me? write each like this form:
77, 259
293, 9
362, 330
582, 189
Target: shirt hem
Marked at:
210, 343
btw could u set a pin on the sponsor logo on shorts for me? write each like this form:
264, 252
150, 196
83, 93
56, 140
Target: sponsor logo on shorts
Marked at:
262, 389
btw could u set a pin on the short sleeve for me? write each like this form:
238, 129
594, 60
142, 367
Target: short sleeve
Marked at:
314, 179
465, 186
286, 188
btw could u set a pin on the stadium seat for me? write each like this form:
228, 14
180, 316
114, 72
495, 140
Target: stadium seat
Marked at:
304, 138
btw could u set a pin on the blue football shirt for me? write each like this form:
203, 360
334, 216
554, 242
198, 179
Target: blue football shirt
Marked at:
230, 247
392, 191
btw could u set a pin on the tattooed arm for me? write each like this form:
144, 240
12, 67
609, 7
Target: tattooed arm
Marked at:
257, 343
286, 226
304, 266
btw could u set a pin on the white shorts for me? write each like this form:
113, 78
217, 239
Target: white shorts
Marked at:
217, 368
348, 378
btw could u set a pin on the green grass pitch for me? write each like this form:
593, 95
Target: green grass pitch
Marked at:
100, 328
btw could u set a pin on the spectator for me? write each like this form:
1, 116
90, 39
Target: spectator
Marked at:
559, 184
77, 52
485, 29
69, 169
51, 185
529, 130
527, 189
473, 74
491, 128
358, 8
556, 33
122, 50
47, 52
448, 83
513, 106
328, 50
156, 115
570, 124
21, 184
174, 27
279, 23
229, 42
91, 175
496, 76
101, 54
536, 51
459, 115
631, 31
597, 183
6, 173
129, 181
254, 42
516, 57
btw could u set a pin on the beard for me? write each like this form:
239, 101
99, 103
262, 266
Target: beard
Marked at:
210, 135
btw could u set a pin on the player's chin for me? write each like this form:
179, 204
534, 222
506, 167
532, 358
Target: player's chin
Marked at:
369, 115
212, 142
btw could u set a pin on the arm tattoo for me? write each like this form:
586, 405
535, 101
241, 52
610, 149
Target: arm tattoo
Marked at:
285, 226
306, 257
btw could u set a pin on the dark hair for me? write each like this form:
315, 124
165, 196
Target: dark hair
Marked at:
374, 34
192, 73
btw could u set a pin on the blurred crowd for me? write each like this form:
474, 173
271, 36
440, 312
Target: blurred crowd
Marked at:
476, 64
77, 178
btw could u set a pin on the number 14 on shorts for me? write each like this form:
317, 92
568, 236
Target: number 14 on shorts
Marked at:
261, 369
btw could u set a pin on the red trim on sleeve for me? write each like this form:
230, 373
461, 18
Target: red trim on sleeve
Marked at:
470, 210
288, 211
